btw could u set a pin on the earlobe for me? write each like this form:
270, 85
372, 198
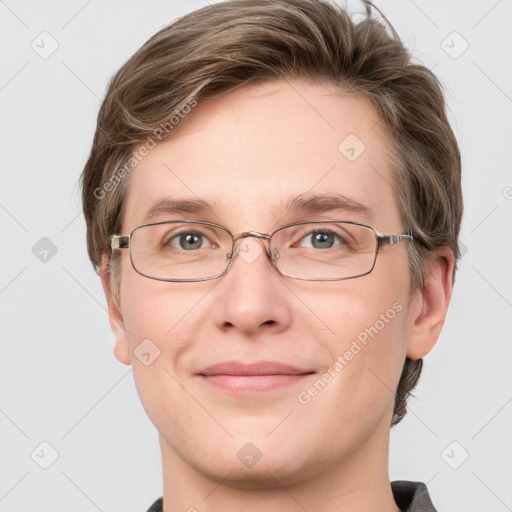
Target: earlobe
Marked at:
430, 305
121, 345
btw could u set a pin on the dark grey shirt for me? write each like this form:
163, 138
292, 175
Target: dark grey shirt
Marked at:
409, 497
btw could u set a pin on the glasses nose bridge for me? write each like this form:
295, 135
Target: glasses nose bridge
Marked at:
249, 234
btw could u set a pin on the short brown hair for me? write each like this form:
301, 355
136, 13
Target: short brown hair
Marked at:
224, 45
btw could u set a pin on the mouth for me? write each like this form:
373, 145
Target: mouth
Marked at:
240, 378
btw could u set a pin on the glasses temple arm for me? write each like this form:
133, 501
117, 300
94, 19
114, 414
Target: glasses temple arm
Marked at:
394, 239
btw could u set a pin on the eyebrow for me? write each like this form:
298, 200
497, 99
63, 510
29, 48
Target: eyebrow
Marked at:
310, 204
303, 204
170, 206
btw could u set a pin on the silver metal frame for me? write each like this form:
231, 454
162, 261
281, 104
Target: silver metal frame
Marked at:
117, 242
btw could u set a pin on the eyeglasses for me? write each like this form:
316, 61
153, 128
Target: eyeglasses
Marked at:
190, 250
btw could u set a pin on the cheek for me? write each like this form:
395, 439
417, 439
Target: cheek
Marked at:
367, 343
160, 310
356, 391
156, 314
160, 319
370, 338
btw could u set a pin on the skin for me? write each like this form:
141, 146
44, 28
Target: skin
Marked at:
250, 149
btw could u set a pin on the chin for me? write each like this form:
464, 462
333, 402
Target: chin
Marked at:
255, 461
270, 471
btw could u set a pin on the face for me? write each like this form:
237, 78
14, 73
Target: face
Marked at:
334, 349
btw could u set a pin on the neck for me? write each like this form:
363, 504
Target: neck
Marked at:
358, 482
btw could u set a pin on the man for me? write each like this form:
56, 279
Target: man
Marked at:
273, 203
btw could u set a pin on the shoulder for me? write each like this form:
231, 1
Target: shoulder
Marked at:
157, 506
412, 496
409, 496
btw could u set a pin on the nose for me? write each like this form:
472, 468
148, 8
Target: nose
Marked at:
251, 295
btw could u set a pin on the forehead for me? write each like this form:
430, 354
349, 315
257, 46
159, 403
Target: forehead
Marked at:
247, 154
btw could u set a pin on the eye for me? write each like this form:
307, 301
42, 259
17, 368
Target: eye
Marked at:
324, 239
188, 241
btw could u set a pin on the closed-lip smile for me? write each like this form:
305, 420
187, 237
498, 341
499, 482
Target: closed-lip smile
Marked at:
241, 378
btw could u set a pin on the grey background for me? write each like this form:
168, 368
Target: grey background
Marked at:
59, 381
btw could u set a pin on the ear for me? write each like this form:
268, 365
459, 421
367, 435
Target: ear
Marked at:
429, 305
121, 345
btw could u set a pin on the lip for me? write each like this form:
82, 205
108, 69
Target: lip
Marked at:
240, 378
